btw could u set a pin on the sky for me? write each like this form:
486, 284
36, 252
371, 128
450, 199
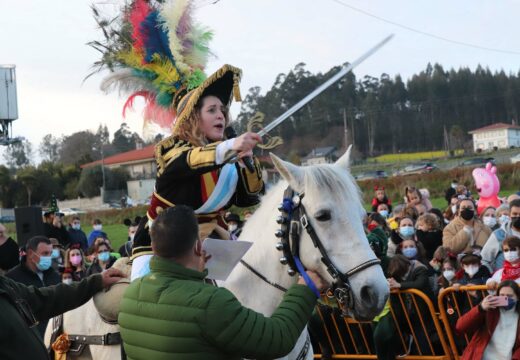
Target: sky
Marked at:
46, 40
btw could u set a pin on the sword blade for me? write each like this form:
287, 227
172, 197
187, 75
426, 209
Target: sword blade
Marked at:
323, 86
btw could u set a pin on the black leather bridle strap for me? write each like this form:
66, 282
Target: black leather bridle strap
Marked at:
331, 268
253, 270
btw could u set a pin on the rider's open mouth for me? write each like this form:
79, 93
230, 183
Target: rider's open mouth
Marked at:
219, 126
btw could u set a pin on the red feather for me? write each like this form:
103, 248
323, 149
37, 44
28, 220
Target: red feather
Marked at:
153, 113
129, 104
138, 14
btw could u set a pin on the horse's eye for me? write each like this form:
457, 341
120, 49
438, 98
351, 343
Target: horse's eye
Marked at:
322, 215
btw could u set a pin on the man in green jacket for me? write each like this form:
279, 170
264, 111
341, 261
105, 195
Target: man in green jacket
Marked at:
172, 314
22, 307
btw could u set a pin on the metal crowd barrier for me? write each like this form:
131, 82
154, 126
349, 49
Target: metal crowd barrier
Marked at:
452, 305
347, 338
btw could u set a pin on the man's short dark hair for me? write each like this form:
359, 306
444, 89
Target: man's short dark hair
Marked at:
97, 222
174, 232
36, 240
515, 202
75, 217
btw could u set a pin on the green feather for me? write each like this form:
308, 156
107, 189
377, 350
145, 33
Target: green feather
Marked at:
196, 79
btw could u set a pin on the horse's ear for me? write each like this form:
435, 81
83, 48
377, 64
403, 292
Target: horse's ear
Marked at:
344, 161
291, 173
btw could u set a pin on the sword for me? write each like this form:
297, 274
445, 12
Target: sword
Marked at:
316, 92
324, 86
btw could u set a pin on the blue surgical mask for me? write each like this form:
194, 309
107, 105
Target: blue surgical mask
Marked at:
511, 303
406, 231
44, 263
384, 213
410, 252
55, 253
104, 256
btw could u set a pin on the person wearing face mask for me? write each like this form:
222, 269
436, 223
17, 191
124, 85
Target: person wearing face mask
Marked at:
382, 209
494, 326
474, 272
76, 235
502, 215
102, 258
492, 255
405, 230
380, 198
428, 232
465, 230
511, 269
488, 218
36, 268
75, 260
412, 250
66, 276
234, 225
58, 255
97, 231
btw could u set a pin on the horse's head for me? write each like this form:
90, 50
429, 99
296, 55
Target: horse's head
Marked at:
333, 208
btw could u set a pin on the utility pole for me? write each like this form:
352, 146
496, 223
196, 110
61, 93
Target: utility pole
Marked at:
345, 129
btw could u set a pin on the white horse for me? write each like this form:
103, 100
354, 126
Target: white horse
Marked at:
333, 207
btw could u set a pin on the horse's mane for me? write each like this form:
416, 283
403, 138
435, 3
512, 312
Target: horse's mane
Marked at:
333, 179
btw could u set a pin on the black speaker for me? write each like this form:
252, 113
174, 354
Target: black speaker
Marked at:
29, 223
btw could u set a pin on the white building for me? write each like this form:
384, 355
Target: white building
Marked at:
324, 155
500, 136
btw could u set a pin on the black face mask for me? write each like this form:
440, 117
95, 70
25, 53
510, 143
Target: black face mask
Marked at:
429, 237
467, 214
515, 222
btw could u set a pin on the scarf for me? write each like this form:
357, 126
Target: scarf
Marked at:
510, 271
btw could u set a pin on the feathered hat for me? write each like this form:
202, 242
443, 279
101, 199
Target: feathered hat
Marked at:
156, 51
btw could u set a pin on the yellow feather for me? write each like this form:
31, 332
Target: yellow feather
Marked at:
171, 13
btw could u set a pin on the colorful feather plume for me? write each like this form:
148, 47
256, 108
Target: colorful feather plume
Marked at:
153, 51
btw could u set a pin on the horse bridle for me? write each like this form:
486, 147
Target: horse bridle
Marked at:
293, 217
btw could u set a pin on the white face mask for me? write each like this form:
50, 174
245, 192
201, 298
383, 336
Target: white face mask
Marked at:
503, 219
97, 227
232, 227
489, 221
471, 269
67, 281
454, 209
511, 256
448, 274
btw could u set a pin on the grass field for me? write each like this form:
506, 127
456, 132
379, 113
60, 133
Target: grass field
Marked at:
417, 156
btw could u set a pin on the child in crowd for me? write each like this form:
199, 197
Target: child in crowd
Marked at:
381, 198
66, 276
414, 196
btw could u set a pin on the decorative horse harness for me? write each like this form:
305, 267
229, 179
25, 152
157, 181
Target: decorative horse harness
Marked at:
74, 345
293, 217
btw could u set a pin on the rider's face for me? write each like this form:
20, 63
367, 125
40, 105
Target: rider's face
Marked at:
213, 118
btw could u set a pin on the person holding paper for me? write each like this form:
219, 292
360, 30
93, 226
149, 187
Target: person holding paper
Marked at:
172, 313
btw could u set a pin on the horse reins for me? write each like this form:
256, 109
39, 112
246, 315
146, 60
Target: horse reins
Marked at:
293, 217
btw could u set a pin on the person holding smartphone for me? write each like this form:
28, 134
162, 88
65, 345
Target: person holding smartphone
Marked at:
494, 325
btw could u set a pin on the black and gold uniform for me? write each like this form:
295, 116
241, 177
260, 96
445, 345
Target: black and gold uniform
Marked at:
187, 175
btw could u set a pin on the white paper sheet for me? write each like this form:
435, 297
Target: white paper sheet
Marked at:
225, 254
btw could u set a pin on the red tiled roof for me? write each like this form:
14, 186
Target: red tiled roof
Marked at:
497, 126
146, 153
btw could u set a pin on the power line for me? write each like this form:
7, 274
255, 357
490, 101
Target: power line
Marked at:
406, 27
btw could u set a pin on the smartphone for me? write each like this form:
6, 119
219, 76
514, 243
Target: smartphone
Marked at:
501, 300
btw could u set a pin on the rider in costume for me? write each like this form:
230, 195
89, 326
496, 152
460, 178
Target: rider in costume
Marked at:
156, 51
190, 162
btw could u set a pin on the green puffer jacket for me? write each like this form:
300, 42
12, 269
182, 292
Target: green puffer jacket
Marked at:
172, 314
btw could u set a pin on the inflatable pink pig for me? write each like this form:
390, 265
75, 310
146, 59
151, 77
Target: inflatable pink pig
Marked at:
488, 186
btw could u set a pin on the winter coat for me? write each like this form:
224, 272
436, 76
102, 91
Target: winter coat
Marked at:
458, 240
17, 339
172, 314
482, 324
22, 274
9, 255
78, 237
491, 253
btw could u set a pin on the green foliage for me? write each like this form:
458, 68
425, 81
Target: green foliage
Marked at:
18, 154
91, 180
434, 110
